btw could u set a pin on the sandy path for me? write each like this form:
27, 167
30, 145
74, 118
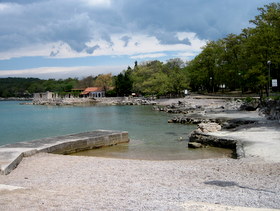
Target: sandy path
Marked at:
57, 182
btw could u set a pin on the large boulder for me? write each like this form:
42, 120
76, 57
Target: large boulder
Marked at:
208, 127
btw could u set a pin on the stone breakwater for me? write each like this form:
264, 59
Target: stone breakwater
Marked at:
64, 101
201, 138
125, 101
94, 101
225, 123
12, 154
194, 106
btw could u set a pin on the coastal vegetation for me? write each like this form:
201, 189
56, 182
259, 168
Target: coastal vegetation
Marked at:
246, 62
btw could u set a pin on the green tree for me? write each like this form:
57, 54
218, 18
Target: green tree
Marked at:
145, 77
85, 82
104, 80
176, 77
124, 83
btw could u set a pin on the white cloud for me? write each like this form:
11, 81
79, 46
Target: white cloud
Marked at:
3, 6
145, 46
7, 7
137, 46
145, 56
63, 72
100, 3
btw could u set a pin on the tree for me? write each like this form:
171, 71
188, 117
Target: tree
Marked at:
85, 82
124, 83
176, 77
146, 77
104, 80
240, 61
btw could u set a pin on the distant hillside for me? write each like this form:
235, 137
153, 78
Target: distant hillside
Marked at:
25, 87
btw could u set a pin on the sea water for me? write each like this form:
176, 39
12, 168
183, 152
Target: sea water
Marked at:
151, 136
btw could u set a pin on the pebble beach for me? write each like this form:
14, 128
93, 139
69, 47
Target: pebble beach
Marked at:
60, 182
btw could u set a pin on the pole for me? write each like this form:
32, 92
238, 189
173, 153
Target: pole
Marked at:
268, 62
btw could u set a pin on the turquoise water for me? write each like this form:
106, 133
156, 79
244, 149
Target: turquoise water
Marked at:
151, 136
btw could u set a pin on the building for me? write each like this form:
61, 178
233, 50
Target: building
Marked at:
93, 92
45, 96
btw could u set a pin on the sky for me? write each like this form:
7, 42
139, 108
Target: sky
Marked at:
78, 38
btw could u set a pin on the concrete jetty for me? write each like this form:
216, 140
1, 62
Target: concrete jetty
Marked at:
12, 154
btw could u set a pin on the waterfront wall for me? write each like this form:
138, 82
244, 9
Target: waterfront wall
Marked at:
199, 139
12, 154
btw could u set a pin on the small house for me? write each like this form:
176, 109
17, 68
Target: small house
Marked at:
45, 96
93, 92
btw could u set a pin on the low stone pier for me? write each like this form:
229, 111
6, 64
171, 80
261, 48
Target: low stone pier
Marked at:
204, 139
12, 154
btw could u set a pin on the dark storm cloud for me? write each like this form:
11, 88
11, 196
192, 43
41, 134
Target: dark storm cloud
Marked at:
27, 23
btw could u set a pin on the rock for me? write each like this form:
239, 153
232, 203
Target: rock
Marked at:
234, 123
156, 108
246, 107
249, 105
194, 145
209, 140
215, 141
271, 109
208, 127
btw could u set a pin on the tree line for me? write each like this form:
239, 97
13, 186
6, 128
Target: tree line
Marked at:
26, 87
247, 62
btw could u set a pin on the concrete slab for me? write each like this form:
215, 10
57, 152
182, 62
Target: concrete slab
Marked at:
12, 154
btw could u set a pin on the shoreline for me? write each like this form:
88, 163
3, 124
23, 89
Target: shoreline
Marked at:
258, 136
62, 182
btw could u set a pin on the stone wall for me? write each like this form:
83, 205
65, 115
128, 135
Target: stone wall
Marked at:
205, 139
12, 154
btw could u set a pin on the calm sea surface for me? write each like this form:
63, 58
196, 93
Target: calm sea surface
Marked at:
151, 136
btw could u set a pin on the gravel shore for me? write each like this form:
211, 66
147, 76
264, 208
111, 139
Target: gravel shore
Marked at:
59, 182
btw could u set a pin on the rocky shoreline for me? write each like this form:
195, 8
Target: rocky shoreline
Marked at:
198, 110
58, 182
222, 116
16, 99
94, 101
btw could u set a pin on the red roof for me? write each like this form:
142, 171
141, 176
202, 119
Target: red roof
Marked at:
92, 89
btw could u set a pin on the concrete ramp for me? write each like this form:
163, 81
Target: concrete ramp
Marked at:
12, 154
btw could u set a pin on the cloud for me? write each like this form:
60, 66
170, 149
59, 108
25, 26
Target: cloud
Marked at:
120, 45
98, 3
145, 56
126, 40
90, 50
65, 28
62, 72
